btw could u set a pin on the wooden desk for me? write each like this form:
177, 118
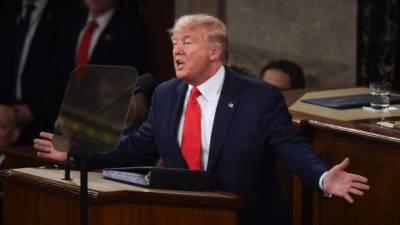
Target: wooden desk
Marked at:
374, 152
40, 197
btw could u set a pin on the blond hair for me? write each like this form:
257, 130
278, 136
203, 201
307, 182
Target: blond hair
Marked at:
216, 30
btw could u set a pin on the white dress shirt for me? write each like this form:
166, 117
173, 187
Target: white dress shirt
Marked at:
210, 91
102, 22
34, 21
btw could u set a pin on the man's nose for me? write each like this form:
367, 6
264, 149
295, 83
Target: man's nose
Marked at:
177, 49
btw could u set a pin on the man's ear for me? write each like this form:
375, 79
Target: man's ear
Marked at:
215, 52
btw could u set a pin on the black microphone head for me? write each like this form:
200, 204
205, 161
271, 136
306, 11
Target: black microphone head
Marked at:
145, 83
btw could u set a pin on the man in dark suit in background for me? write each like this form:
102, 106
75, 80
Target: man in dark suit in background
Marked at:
28, 44
230, 125
102, 34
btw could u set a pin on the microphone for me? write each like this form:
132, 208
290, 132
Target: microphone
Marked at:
145, 83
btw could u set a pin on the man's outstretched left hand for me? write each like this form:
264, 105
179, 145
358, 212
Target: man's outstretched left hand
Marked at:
341, 183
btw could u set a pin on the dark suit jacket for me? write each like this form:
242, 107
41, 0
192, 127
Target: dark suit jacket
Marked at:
9, 10
245, 141
35, 77
122, 42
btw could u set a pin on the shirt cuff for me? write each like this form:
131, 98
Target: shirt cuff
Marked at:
320, 182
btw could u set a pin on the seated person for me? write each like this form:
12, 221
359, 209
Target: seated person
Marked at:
9, 131
284, 74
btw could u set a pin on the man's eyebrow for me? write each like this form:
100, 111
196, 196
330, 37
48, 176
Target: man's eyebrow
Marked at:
183, 38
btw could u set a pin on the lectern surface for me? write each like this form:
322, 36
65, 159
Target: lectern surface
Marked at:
34, 196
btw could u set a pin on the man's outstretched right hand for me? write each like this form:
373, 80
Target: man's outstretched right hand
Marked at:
46, 149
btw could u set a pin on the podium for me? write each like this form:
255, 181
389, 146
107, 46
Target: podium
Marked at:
374, 152
35, 196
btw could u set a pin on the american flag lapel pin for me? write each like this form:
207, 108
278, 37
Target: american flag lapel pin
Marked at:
230, 105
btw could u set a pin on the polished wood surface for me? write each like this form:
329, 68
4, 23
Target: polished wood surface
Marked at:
374, 152
30, 198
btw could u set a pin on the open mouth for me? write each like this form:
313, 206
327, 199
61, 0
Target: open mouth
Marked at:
179, 63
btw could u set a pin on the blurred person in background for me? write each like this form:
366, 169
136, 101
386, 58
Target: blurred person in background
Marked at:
103, 32
30, 32
284, 74
9, 131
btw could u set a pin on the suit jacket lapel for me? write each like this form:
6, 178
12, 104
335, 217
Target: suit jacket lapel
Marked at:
102, 48
175, 118
228, 102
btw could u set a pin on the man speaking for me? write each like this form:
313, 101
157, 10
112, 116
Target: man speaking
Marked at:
234, 127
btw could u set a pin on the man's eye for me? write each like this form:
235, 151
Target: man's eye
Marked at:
187, 42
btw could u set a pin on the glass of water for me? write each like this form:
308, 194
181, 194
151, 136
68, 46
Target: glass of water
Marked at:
379, 95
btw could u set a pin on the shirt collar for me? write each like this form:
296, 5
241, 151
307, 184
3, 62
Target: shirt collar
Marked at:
37, 3
103, 19
212, 87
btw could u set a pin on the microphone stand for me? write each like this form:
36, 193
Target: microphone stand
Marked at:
83, 155
84, 184
83, 167
67, 169
84, 191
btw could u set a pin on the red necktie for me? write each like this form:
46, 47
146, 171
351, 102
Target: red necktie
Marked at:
84, 45
191, 135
